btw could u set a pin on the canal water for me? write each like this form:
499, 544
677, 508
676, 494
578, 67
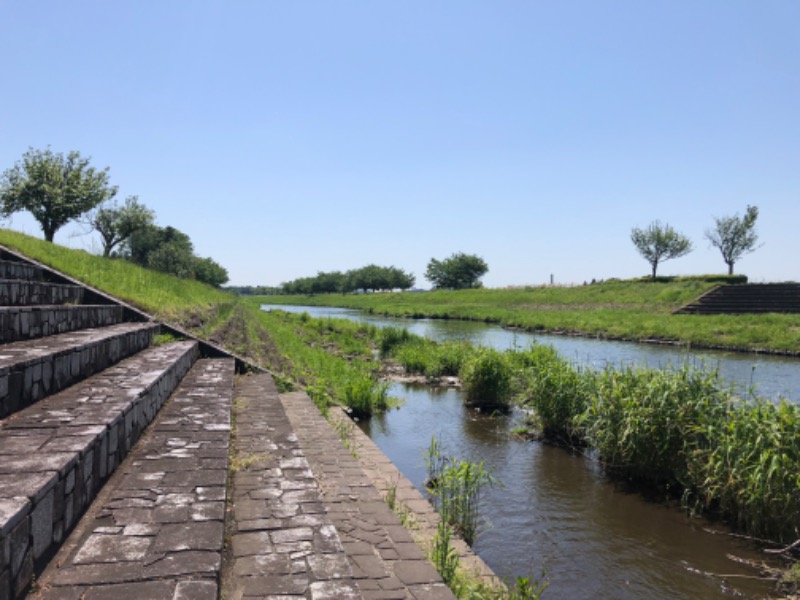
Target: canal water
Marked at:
556, 511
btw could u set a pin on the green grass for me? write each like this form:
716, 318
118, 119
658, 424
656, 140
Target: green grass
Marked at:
630, 310
157, 293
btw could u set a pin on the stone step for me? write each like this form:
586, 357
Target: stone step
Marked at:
749, 298
157, 529
14, 292
282, 544
55, 455
12, 269
33, 369
31, 322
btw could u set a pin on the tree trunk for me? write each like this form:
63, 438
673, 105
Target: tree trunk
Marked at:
730, 268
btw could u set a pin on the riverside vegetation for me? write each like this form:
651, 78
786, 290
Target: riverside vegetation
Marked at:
678, 429
638, 310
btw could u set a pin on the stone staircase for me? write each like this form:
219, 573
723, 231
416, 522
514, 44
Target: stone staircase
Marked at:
132, 467
80, 380
746, 298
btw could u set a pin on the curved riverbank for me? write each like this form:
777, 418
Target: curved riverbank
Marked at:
626, 311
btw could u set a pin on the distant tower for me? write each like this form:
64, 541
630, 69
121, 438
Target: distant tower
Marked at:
551, 279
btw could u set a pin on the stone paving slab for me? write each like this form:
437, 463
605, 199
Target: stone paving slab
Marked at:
55, 455
283, 545
158, 531
385, 560
33, 369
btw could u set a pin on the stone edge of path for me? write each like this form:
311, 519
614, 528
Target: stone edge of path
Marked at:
386, 476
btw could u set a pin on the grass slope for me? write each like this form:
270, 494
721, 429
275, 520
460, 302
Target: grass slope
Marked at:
631, 310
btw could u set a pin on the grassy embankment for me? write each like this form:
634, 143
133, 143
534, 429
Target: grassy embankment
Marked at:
630, 310
332, 359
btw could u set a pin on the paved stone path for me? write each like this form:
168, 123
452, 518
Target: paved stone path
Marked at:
385, 560
158, 531
283, 544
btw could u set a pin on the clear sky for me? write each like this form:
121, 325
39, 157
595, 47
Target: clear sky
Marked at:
289, 137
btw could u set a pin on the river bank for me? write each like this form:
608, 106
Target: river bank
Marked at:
638, 311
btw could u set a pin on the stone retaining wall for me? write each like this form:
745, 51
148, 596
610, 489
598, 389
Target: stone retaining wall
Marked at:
55, 456
31, 371
26, 293
17, 270
27, 323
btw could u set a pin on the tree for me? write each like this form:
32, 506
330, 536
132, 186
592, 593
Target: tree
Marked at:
148, 239
659, 243
459, 271
734, 237
209, 271
54, 188
116, 223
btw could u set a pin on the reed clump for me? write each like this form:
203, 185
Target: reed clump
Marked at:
487, 380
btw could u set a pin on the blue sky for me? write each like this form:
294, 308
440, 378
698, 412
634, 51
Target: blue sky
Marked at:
291, 137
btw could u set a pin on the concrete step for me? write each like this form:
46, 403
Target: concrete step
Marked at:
33, 369
157, 529
55, 455
14, 292
11, 269
750, 298
31, 322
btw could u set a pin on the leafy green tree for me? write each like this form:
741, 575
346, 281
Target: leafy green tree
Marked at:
459, 271
173, 258
658, 243
209, 271
116, 223
734, 236
54, 188
148, 239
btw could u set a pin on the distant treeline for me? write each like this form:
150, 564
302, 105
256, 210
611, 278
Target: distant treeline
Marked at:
371, 278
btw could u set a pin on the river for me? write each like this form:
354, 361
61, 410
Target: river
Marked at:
557, 511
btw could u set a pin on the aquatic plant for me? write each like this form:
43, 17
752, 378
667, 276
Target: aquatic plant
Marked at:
747, 470
363, 396
558, 391
644, 423
486, 378
443, 556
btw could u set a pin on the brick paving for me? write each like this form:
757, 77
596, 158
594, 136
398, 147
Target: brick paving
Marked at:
158, 531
